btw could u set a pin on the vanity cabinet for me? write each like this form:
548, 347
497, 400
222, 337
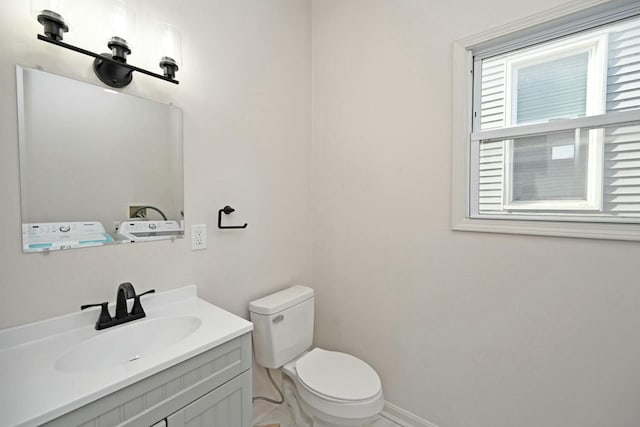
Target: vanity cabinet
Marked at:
224, 407
213, 388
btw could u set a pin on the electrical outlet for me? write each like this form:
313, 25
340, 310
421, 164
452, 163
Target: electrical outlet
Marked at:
198, 237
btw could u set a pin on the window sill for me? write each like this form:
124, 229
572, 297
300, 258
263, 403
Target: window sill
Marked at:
553, 206
607, 231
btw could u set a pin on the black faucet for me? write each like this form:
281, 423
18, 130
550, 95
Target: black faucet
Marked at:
125, 292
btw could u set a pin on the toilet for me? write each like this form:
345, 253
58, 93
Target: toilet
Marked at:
322, 388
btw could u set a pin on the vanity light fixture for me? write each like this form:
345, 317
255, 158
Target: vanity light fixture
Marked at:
168, 48
112, 68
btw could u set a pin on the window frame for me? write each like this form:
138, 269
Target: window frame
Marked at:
595, 45
573, 17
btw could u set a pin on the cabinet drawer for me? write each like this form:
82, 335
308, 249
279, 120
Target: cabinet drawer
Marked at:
154, 398
227, 406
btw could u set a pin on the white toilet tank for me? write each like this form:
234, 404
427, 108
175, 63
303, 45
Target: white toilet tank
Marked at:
282, 325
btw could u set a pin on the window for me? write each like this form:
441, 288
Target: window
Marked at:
557, 80
554, 127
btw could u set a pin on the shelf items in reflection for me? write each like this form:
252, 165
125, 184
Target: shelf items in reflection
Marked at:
142, 231
46, 236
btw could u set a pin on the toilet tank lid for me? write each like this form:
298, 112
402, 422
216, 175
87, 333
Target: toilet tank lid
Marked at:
282, 300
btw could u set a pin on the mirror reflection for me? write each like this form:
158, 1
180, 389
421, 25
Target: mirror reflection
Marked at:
96, 166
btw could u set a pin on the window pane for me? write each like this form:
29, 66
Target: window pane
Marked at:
529, 175
622, 170
552, 89
550, 167
561, 78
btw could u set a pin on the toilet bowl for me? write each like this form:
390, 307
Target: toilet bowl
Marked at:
334, 389
322, 388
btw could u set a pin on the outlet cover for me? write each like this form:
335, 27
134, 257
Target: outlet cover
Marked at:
198, 237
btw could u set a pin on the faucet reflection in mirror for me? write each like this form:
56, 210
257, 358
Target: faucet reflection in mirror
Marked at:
112, 68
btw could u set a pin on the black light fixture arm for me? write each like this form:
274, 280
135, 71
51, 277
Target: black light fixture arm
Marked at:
227, 210
105, 58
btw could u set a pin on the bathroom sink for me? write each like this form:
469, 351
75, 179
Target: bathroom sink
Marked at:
127, 344
52, 367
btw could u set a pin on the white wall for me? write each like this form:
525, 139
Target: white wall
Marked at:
465, 329
245, 92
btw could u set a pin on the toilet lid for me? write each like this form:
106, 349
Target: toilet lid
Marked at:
337, 375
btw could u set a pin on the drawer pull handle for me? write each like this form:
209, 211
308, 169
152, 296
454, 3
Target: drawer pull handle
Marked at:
278, 318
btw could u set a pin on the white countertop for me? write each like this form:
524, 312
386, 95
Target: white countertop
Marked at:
33, 392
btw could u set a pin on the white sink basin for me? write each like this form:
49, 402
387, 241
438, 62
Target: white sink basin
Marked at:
127, 343
55, 366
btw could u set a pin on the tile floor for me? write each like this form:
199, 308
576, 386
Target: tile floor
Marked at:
265, 413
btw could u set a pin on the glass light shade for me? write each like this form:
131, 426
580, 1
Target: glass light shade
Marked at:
168, 43
56, 6
51, 14
123, 20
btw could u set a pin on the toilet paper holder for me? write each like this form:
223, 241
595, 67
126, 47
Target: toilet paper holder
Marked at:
227, 210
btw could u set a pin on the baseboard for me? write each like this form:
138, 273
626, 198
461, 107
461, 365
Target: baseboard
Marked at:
404, 418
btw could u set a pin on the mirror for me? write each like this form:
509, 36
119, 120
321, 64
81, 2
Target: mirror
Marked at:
96, 166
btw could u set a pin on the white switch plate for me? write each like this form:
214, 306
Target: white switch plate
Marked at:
198, 237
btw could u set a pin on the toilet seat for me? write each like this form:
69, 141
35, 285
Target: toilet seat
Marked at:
337, 377
323, 400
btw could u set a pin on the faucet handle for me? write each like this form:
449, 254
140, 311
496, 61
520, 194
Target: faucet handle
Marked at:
104, 317
137, 307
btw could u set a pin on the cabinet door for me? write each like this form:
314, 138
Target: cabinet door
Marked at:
227, 406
